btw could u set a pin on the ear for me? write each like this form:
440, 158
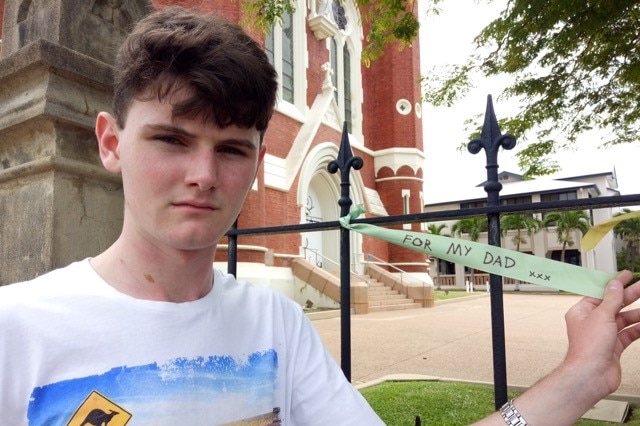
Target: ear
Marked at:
263, 151
107, 133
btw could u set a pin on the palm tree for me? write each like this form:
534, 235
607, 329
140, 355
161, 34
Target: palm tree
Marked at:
437, 230
566, 222
472, 226
629, 231
519, 222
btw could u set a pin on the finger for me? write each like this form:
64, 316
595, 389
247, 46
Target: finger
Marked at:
624, 276
632, 293
613, 299
627, 318
629, 335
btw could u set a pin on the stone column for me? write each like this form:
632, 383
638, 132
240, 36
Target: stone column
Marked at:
57, 203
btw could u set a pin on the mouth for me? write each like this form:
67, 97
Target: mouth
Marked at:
194, 205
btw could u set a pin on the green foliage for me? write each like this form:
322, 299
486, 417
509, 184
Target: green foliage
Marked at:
519, 222
389, 20
623, 262
472, 226
629, 231
437, 229
444, 403
263, 14
536, 161
436, 403
575, 68
448, 294
566, 222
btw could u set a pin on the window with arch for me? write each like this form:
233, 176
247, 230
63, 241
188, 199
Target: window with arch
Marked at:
345, 48
342, 80
285, 46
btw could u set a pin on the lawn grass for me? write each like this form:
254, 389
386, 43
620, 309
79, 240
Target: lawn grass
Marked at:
443, 403
451, 294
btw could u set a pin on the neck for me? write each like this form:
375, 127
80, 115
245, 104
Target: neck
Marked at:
159, 275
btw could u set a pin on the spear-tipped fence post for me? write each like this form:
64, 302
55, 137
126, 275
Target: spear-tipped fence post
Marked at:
345, 161
491, 140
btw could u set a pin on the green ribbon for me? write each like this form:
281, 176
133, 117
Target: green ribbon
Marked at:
494, 260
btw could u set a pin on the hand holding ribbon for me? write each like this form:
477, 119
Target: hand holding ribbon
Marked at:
494, 260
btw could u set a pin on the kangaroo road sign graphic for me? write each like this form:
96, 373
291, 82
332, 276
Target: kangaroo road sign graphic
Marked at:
98, 410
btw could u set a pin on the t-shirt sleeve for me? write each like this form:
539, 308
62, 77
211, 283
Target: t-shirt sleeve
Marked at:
321, 393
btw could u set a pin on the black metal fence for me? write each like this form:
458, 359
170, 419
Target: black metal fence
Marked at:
490, 140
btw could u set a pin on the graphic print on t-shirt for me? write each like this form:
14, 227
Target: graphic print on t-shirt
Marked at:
190, 391
98, 410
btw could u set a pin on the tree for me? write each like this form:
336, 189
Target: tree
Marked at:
566, 223
473, 227
437, 230
574, 67
629, 231
389, 20
519, 223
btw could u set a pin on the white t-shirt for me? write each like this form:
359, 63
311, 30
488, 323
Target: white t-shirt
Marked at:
75, 351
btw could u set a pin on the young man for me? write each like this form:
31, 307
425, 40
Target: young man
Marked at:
148, 333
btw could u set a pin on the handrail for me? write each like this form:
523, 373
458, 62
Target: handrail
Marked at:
315, 251
379, 261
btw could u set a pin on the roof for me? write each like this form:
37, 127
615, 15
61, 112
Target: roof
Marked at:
513, 187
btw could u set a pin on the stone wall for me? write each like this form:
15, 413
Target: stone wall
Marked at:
57, 203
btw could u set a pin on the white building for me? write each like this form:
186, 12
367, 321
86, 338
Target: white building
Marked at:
544, 243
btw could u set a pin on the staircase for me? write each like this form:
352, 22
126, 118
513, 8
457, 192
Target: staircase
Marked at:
369, 293
382, 298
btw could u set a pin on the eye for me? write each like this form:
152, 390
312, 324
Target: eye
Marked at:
169, 140
232, 151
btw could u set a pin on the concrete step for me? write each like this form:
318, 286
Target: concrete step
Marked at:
385, 291
386, 296
389, 302
394, 307
382, 298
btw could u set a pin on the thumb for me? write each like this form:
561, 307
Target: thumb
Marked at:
613, 299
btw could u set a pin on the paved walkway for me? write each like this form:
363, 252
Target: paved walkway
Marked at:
453, 340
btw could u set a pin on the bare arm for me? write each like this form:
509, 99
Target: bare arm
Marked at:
598, 331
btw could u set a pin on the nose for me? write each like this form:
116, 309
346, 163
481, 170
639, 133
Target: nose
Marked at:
202, 170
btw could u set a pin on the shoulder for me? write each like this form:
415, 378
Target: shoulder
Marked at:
234, 290
47, 285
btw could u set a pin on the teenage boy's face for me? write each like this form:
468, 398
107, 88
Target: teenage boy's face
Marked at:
184, 180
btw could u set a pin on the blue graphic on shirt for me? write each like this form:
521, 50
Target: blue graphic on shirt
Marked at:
212, 390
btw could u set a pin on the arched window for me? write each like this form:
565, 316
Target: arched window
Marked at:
342, 30
334, 65
285, 45
341, 79
346, 85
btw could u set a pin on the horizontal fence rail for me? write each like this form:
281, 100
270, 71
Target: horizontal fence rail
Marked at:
455, 214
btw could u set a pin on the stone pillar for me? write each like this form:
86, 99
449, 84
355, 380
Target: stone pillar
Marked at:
57, 203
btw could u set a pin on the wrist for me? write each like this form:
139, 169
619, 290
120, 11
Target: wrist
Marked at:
511, 415
584, 378
560, 398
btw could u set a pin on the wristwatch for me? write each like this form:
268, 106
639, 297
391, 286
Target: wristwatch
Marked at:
511, 415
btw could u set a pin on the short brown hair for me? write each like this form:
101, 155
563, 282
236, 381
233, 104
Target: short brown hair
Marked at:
228, 73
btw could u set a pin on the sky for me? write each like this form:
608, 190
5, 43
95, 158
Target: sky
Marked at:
447, 39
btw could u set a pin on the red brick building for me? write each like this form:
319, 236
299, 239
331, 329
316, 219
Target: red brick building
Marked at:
323, 83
